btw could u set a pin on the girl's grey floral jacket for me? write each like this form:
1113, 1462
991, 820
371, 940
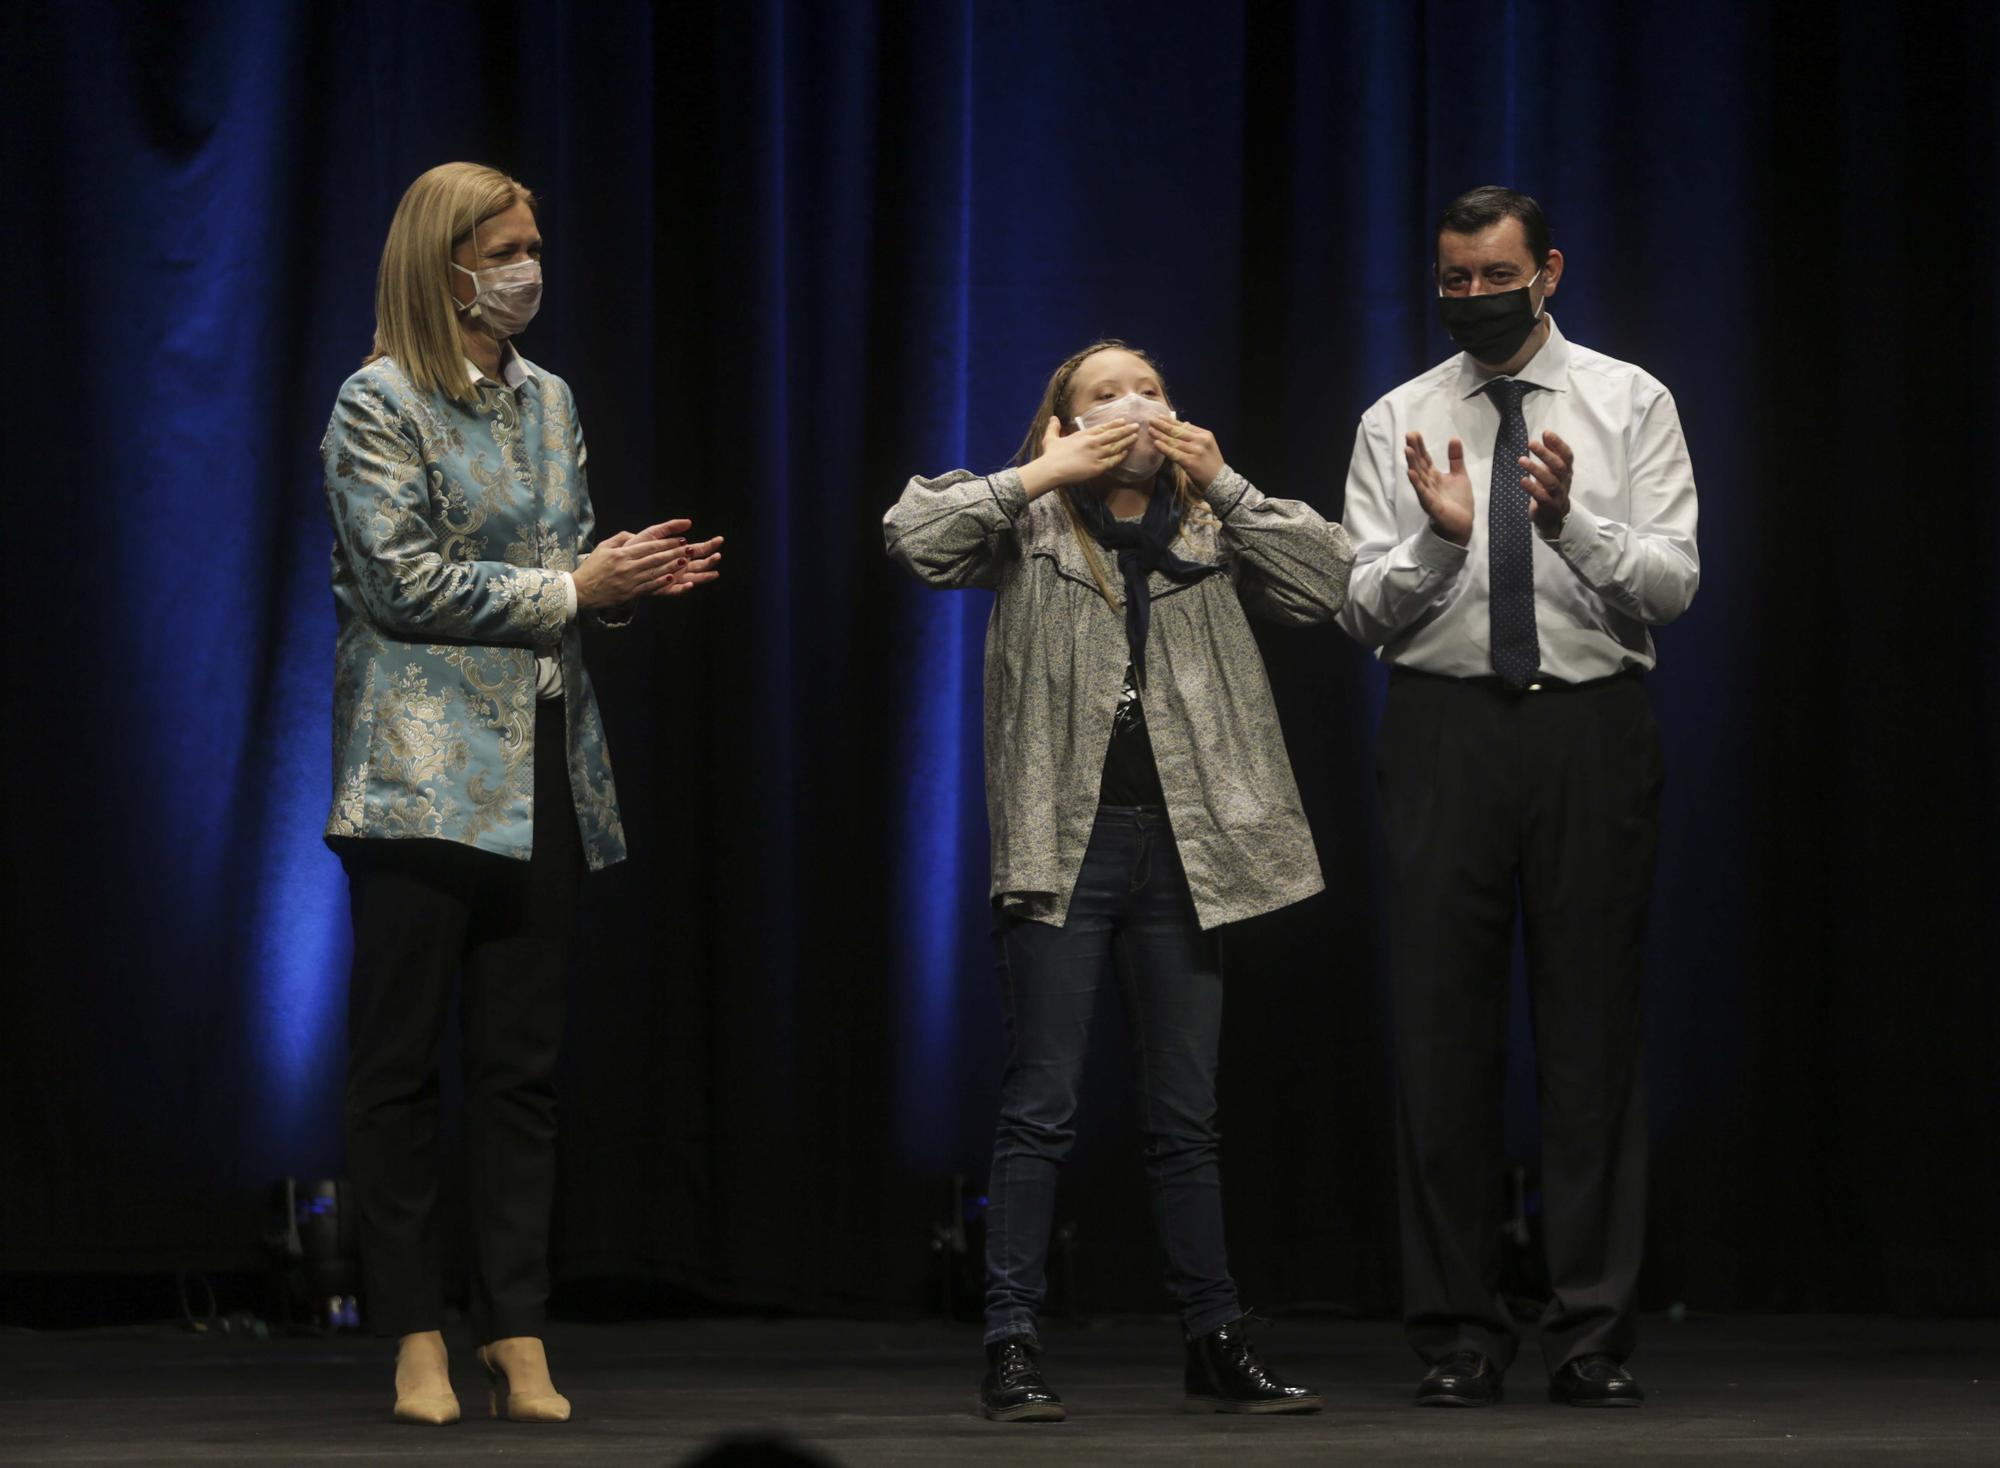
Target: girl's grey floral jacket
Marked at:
1055, 665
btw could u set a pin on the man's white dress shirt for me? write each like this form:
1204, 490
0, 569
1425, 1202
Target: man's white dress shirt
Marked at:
1625, 559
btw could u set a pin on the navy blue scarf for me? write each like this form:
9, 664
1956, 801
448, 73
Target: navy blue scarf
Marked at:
1142, 547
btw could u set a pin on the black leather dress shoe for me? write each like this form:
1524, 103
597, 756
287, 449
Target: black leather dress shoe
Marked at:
1224, 1375
1462, 1379
1013, 1390
1594, 1381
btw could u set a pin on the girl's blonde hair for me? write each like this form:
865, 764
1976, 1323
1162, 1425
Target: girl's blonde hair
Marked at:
416, 317
1056, 403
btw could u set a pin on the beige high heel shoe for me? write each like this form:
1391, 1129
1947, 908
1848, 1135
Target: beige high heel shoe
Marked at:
519, 1367
423, 1381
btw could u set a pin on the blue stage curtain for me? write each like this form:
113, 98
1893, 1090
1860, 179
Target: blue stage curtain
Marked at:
797, 252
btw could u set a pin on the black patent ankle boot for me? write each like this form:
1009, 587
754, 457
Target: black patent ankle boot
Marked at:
1013, 1390
1224, 1375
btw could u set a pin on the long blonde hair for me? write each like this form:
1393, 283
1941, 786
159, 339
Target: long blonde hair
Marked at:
415, 317
1056, 403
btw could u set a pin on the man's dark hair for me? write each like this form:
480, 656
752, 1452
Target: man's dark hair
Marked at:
1482, 208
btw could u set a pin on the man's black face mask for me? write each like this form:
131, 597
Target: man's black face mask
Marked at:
1493, 327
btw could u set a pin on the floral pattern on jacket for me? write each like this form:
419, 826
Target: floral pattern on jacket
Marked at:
453, 525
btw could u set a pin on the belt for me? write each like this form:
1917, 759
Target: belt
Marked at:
1400, 674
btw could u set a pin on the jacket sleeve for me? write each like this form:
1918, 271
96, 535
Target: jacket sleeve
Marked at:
402, 547
1291, 564
958, 529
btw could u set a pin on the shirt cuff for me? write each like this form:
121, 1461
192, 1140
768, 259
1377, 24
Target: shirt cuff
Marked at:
1582, 544
1434, 553
569, 597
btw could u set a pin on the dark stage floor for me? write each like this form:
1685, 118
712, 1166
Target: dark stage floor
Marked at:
1734, 1390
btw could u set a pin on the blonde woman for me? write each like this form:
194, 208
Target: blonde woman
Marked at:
471, 783
1139, 797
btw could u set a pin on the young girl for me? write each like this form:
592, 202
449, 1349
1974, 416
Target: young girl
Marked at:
1139, 797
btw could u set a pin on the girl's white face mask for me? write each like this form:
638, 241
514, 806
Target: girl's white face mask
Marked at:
1143, 461
505, 297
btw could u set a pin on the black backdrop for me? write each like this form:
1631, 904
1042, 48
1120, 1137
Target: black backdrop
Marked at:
798, 252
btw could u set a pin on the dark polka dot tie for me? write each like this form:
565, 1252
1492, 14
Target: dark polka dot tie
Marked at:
1510, 544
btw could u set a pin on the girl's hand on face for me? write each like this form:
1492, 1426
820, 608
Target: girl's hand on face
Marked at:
1193, 448
1077, 458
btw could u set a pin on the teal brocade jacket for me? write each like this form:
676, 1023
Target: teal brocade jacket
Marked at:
453, 524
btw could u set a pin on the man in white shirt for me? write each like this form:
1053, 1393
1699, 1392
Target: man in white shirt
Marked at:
1523, 514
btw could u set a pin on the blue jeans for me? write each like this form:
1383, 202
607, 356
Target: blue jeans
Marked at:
1131, 906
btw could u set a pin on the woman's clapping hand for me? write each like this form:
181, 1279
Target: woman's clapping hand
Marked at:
656, 561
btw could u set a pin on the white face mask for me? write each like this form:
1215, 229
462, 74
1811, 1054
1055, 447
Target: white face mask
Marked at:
505, 297
1144, 459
